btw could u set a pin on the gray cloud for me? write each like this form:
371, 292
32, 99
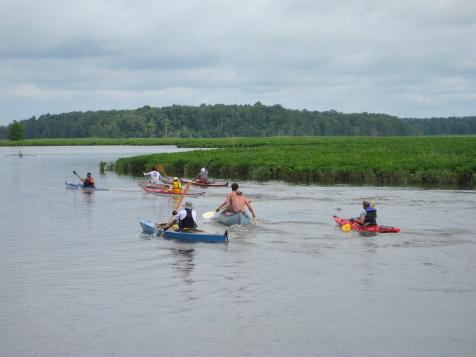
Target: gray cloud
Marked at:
403, 58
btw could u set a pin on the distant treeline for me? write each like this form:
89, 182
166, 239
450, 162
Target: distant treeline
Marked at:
233, 120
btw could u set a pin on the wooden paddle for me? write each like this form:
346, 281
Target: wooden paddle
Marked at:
187, 187
161, 170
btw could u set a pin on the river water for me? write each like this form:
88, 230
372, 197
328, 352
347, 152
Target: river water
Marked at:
78, 278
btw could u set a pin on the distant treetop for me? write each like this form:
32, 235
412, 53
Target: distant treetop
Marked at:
232, 120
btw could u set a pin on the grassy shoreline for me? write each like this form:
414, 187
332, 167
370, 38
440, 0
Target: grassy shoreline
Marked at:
422, 161
439, 161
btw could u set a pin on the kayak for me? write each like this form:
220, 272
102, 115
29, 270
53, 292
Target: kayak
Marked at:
208, 184
357, 227
166, 192
154, 185
79, 186
188, 237
230, 218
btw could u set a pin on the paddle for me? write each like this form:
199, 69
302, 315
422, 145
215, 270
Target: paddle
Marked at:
74, 172
254, 217
210, 214
187, 187
162, 171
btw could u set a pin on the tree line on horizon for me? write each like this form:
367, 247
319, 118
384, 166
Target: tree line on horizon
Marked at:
232, 120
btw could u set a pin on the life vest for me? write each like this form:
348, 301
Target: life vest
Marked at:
370, 216
188, 221
88, 182
177, 186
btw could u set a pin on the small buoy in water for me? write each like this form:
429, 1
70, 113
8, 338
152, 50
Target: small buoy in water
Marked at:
346, 227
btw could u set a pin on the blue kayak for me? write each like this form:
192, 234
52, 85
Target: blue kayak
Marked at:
230, 219
189, 237
79, 186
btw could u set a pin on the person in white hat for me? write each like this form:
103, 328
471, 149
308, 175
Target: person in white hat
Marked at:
203, 175
186, 218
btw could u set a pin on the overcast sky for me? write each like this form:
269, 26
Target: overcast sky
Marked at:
410, 58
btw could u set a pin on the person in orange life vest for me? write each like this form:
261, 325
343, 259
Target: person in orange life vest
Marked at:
88, 181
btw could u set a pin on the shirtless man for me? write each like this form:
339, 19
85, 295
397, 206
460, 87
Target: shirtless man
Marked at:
236, 202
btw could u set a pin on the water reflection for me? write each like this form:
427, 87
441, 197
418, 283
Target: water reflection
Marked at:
184, 263
295, 278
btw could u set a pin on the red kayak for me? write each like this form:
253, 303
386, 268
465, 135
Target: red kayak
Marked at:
164, 192
208, 184
357, 227
153, 185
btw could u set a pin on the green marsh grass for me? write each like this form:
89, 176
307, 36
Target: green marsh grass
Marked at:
430, 161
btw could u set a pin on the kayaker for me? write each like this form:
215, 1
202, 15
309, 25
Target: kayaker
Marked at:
176, 186
88, 181
185, 219
154, 177
226, 203
236, 202
368, 217
203, 175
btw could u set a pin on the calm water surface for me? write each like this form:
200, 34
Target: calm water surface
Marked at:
78, 278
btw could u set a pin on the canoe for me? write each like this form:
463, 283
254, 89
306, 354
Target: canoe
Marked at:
79, 186
357, 227
188, 237
208, 184
164, 192
230, 219
153, 185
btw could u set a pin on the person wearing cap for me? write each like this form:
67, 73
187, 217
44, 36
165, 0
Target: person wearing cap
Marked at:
185, 219
203, 175
154, 177
176, 186
88, 181
236, 202
368, 217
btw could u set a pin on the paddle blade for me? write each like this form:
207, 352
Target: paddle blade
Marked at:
208, 214
346, 227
